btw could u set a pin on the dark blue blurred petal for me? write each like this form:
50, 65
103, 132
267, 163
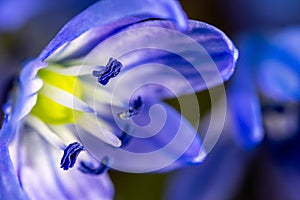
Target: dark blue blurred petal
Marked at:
278, 72
245, 108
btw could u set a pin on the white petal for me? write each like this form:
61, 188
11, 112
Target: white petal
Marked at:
78, 70
45, 131
64, 98
91, 124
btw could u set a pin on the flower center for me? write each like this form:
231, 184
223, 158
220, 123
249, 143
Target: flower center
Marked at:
50, 111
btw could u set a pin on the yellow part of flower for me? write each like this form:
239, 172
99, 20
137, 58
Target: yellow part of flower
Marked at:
50, 111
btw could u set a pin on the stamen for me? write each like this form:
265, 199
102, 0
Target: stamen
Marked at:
111, 70
102, 95
96, 127
125, 138
45, 131
71, 153
134, 109
65, 98
88, 168
79, 70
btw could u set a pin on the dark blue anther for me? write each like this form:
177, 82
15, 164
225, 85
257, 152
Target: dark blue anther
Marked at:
89, 169
111, 70
138, 103
134, 109
125, 138
71, 153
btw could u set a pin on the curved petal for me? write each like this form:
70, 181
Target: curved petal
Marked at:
25, 98
158, 138
278, 73
41, 177
157, 56
245, 108
108, 17
212, 179
9, 184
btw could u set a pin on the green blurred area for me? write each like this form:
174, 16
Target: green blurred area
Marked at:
138, 186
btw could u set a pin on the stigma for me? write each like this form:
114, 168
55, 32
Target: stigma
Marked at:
111, 70
71, 153
134, 109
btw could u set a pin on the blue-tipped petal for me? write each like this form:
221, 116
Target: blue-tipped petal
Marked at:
42, 178
244, 105
109, 17
9, 184
246, 117
156, 56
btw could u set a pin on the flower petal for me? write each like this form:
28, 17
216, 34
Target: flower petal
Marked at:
278, 80
90, 124
42, 178
158, 133
25, 98
278, 73
245, 108
156, 57
111, 16
9, 184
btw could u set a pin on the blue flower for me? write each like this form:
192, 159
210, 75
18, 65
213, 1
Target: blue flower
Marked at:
79, 98
263, 104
